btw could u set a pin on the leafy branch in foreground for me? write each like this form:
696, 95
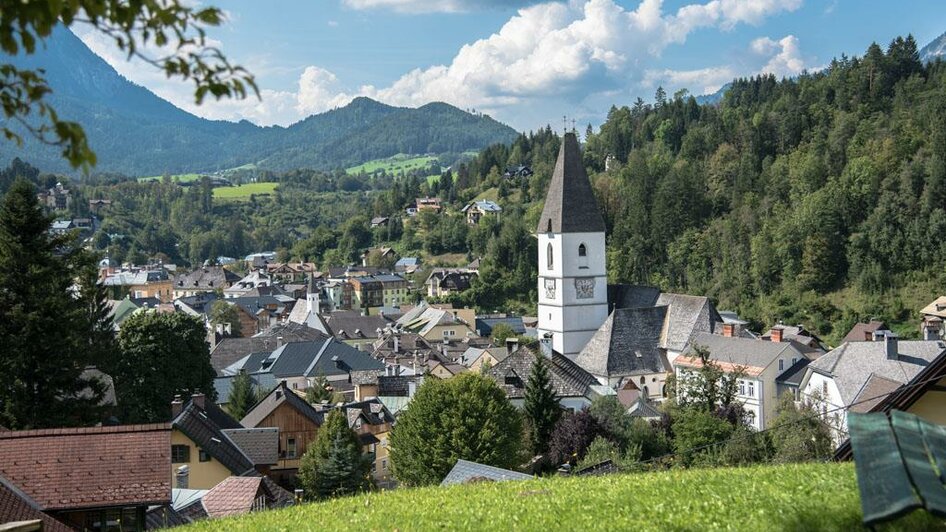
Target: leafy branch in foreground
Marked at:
178, 31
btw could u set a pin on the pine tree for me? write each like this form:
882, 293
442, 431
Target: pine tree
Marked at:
242, 396
541, 405
334, 465
319, 391
46, 328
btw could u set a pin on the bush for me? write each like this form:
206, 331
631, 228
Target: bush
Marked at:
695, 431
572, 436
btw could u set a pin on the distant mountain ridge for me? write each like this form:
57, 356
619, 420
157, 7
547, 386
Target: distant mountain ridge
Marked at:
936, 49
135, 132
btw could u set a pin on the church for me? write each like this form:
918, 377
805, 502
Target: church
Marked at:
625, 336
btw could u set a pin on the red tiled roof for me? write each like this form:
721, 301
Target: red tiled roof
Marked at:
233, 496
72, 468
16, 506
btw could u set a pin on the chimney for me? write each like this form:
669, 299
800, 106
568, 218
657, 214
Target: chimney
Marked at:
397, 343
279, 341
176, 406
728, 330
891, 346
198, 399
512, 344
776, 334
545, 345
181, 477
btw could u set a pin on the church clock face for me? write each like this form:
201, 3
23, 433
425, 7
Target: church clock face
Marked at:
585, 288
550, 288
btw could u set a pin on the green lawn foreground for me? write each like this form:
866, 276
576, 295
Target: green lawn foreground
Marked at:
787, 497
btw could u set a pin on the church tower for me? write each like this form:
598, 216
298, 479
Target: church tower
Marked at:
573, 284
312, 296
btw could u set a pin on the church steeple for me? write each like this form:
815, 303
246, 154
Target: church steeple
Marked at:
573, 282
570, 205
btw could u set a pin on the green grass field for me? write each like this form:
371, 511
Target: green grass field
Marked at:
178, 178
243, 192
788, 497
396, 164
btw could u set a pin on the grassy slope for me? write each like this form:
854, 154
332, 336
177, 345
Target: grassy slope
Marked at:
794, 497
393, 165
244, 191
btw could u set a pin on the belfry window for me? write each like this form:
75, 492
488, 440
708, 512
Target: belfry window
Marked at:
582, 256
549, 260
582, 251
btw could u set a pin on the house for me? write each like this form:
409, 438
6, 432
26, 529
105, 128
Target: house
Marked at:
474, 358
91, 478
795, 333
864, 332
253, 280
428, 204
434, 324
520, 170
298, 423
381, 255
205, 279
292, 272
372, 421
477, 209
394, 290
367, 292
230, 350
17, 507
352, 328
761, 363
931, 328
260, 260
202, 454
445, 371
643, 409
258, 313
407, 265
242, 495
140, 284
484, 324
394, 347
298, 363
98, 205
858, 373
574, 387
379, 221
443, 282
57, 198
198, 304
464, 472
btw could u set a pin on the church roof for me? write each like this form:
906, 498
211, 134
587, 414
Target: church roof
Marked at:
627, 343
570, 205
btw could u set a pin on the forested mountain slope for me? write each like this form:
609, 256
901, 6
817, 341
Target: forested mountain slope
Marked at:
137, 133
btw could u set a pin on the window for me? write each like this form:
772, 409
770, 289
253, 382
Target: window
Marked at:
180, 454
794, 360
742, 387
582, 250
781, 365
751, 389
582, 256
291, 448
548, 259
203, 456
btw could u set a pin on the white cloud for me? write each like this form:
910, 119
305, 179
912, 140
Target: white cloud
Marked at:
787, 60
552, 55
433, 6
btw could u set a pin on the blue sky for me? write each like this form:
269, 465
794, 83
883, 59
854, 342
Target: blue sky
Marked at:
525, 63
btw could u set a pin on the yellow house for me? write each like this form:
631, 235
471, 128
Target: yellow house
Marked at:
202, 454
446, 371
372, 421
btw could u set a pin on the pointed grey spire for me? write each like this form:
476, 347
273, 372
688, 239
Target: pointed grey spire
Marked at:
312, 288
570, 205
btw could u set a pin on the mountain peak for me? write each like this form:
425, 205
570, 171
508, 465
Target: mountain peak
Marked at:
936, 49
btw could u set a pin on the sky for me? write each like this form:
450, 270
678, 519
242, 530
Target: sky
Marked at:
525, 63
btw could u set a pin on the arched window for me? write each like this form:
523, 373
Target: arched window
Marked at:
548, 253
582, 251
582, 255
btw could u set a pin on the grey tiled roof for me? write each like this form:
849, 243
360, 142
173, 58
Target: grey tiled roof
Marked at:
464, 471
230, 350
642, 408
687, 316
852, 363
874, 391
568, 378
484, 326
261, 445
794, 375
744, 351
570, 204
631, 296
198, 425
627, 343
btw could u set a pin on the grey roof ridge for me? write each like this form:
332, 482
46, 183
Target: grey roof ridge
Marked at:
318, 356
248, 459
227, 372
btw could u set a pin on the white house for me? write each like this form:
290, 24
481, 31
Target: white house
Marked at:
857, 375
761, 362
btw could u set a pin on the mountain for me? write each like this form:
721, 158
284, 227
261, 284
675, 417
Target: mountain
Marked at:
135, 132
714, 98
936, 49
